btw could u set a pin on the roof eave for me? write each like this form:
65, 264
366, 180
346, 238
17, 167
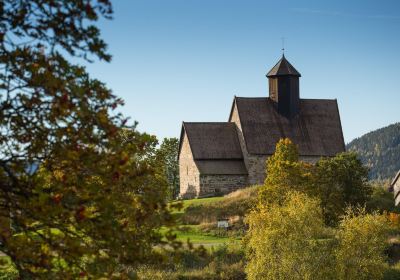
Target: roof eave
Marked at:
282, 75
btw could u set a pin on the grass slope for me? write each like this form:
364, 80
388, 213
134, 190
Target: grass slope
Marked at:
197, 218
193, 233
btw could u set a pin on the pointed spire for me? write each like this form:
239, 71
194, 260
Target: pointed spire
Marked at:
283, 68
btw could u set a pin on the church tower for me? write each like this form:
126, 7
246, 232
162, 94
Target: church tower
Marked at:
284, 90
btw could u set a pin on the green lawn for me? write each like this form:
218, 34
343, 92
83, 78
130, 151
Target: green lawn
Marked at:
192, 232
195, 236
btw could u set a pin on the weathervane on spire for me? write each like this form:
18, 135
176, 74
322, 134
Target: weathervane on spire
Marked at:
283, 46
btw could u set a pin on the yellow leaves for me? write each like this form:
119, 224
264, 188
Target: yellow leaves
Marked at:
58, 175
394, 218
294, 233
286, 150
96, 180
45, 248
362, 241
283, 240
284, 173
91, 212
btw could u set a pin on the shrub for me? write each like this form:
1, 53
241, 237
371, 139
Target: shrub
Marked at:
362, 241
223, 263
289, 241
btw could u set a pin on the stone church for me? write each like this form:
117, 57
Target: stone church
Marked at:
220, 157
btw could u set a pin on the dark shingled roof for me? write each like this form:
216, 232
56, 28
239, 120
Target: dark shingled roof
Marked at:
283, 68
213, 140
221, 167
316, 129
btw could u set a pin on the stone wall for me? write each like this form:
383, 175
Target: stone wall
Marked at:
249, 164
189, 175
211, 185
257, 169
258, 166
255, 164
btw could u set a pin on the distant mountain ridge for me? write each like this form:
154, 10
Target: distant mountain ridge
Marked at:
379, 150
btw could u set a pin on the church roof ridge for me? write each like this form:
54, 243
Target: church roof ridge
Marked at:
205, 122
262, 97
251, 97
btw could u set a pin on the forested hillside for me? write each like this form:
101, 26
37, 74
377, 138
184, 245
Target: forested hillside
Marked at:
380, 151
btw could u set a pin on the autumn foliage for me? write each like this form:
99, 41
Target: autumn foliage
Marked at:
311, 224
81, 193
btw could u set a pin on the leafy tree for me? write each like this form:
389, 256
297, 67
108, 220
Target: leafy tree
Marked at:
287, 241
288, 237
362, 240
284, 173
291, 241
338, 182
341, 181
81, 199
168, 151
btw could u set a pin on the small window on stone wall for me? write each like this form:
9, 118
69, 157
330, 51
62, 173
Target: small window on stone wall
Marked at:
187, 170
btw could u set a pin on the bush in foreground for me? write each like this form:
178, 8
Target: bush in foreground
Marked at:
289, 233
289, 241
226, 262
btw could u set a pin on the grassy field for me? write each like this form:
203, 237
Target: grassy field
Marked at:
197, 218
193, 233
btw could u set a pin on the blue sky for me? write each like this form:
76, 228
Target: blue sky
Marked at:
184, 60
